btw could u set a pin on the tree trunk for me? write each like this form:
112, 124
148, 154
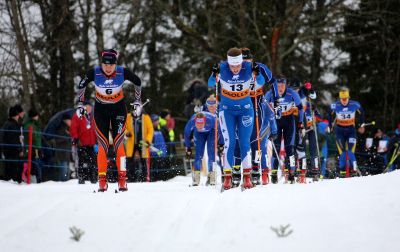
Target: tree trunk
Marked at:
26, 82
317, 43
98, 25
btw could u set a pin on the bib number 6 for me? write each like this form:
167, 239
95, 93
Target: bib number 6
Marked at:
108, 91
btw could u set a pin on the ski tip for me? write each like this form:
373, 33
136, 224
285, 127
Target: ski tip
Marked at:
116, 191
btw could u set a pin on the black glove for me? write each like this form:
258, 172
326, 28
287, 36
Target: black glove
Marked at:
255, 68
220, 149
74, 141
273, 137
215, 69
300, 126
188, 152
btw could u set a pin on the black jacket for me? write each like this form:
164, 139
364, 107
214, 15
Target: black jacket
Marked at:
11, 135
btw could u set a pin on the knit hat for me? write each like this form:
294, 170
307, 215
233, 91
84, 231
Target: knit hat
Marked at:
12, 112
18, 108
109, 56
154, 117
32, 113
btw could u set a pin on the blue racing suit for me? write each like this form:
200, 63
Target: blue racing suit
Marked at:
236, 111
345, 131
286, 125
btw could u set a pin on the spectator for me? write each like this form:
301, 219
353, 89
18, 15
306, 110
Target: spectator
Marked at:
63, 147
159, 144
139, 130
33, 120
12, 151
394, 151
167, 125
83, 136
158, 149
197, 95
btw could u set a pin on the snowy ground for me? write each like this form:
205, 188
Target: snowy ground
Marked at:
357, 214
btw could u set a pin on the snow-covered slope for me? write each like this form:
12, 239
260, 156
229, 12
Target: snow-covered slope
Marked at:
357, 214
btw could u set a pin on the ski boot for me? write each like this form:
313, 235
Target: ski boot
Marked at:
236, 176
122, 186
255, 176
103, 185
302, 177
274, 176
265, 177
247, 183
291, 177
227, 180
196, 178
211, 178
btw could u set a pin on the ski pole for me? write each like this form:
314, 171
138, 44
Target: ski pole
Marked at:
315, 132
277, 157
216, 127
258, 153
392, 159
367, 124
144, 104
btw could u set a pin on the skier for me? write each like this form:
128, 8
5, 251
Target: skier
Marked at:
202, 125
236, 110
307, 94
110, 109
343, 118
286, 125
260, 111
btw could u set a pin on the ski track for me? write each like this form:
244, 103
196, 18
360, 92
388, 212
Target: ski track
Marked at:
357, 214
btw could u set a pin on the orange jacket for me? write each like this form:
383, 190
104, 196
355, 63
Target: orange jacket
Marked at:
147, 134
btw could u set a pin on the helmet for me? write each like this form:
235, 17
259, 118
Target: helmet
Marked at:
344, 94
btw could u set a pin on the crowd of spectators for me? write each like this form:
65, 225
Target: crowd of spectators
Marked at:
66, 147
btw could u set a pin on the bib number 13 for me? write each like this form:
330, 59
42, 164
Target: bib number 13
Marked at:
237, 87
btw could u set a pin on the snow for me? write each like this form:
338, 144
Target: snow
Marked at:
357, 214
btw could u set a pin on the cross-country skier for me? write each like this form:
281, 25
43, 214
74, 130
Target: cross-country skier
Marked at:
202, 125
264, 112
286, 125
110, 110
236, 110
307, 95
343, 119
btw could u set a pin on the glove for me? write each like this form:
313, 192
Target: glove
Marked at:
137, 109
300, 126
188, 152
255, 68
215, 69
80, 110
312, 95
220, 149
278, 112
273, 137
74, 141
